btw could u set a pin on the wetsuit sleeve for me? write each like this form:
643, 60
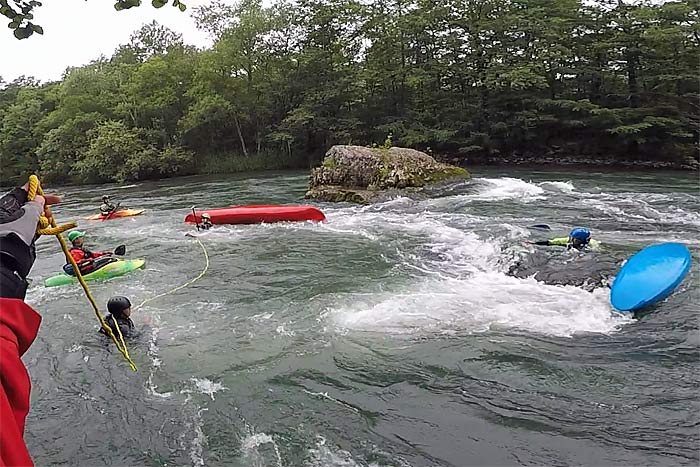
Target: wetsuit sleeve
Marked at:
77, 254
562, 241
19, 325
97, 254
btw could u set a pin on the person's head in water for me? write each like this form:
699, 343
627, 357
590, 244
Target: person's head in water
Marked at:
119, 307
105, 199
206, 218
76, 238
579, 238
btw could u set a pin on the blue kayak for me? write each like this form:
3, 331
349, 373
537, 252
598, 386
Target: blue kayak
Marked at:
649, 276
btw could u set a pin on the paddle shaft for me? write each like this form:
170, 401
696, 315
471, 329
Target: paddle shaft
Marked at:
113, 211
194, 213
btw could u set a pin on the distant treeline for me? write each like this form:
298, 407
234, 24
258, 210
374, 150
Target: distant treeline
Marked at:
468, 78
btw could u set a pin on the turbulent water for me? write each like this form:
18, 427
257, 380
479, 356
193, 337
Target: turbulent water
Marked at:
393, 334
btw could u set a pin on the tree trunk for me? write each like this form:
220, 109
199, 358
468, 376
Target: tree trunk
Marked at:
240, 135
632, 84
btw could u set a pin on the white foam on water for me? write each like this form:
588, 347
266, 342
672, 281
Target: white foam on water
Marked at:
638, 206
483, 302
251, 444
199, 440
324, 456
282, 331
350, 231
262, 316
154, 354
612, 210
460, 286
208, 387
253, 441
498, 189
565, 187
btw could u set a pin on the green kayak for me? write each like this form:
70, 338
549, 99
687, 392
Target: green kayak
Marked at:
117, 268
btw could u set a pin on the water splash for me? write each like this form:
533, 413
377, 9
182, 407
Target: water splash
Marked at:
564, 187
497, 189
483, 302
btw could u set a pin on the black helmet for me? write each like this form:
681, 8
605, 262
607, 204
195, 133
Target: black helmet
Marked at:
105, 197
116, 305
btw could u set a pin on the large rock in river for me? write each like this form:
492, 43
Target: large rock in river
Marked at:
359, 174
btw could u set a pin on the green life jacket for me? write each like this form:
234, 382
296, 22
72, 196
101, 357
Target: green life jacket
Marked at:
564, 241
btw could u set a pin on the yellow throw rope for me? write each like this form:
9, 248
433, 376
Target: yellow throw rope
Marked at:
180, 287
44, 229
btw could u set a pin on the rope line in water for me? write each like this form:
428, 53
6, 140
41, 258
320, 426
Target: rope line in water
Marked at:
44, 229
186, 284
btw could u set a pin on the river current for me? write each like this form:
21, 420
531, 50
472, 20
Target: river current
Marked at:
391, 335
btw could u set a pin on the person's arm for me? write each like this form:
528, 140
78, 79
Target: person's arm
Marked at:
97, 254
19, 324
562, 241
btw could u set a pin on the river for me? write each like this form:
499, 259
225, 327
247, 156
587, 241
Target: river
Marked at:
389, 335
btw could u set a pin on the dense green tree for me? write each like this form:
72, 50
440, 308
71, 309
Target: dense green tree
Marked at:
21, 12
467, 79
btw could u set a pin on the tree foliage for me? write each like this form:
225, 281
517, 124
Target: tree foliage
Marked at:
464, 78
21, 13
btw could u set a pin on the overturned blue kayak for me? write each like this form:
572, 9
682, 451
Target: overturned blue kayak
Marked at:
652, 274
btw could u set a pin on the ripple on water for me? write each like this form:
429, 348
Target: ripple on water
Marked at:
390, 335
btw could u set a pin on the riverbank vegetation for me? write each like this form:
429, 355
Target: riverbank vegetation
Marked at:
465, 79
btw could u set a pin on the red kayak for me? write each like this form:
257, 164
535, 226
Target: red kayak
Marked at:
259, 214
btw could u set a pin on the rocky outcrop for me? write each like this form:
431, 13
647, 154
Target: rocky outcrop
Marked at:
361, 175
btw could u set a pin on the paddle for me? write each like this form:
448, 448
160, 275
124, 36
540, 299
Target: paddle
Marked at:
113, 211
194, 213
539, 227
120, 250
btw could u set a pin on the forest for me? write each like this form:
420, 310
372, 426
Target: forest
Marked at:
466, 80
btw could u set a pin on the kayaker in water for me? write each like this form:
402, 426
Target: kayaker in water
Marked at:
107, 207
84, 257
579, 238
206, 222
19, 323
119, 309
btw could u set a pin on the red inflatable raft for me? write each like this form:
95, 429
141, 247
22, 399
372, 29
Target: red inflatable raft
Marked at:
258, 214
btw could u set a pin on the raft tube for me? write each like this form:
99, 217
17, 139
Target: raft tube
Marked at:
259, 214
110, 270
115, 215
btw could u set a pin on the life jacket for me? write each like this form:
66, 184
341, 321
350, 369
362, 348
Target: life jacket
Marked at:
89, 262
126, 326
